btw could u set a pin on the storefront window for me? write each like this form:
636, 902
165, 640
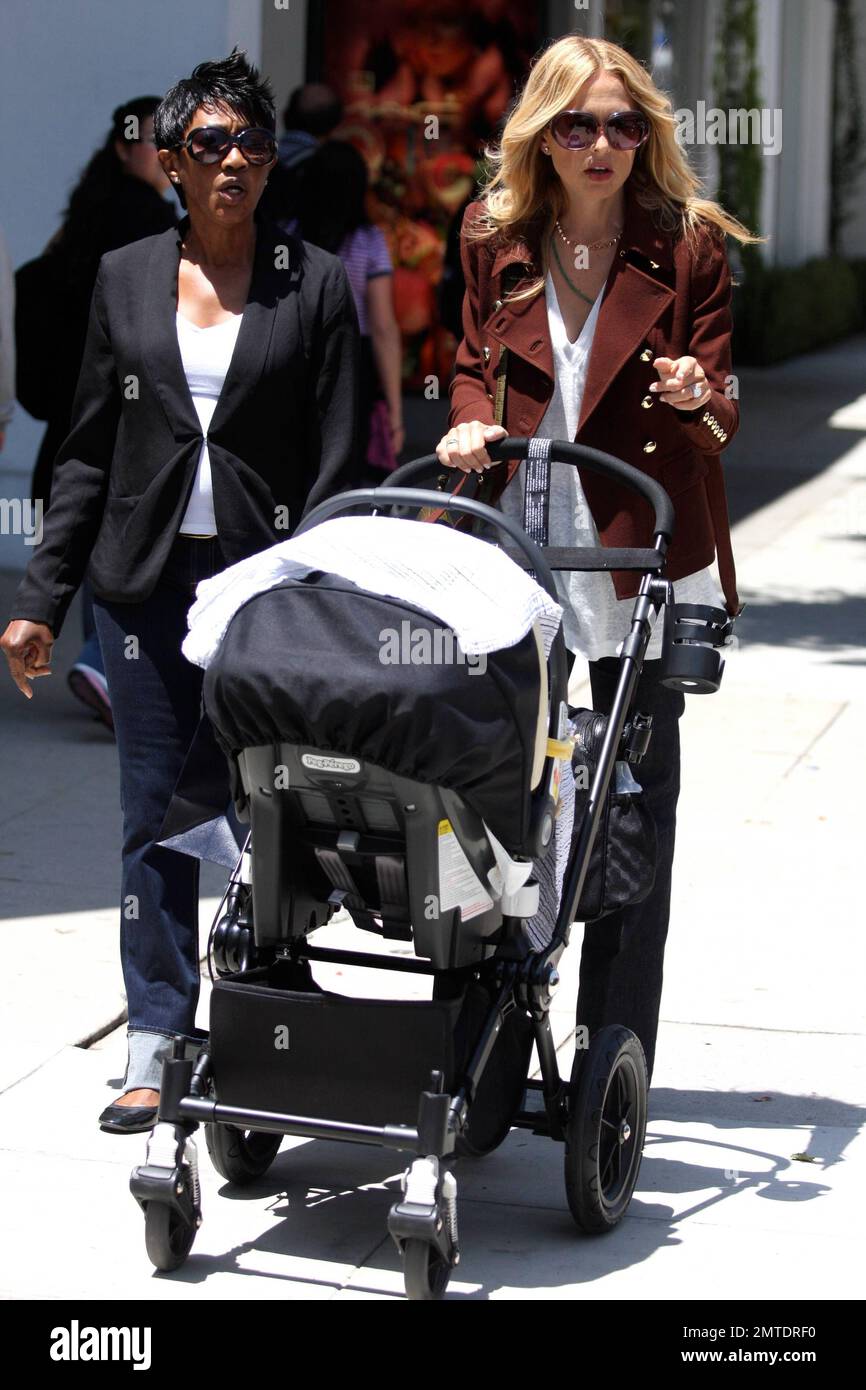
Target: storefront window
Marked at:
425, 83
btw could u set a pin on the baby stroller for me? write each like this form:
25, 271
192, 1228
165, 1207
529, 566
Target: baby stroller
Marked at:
422, 801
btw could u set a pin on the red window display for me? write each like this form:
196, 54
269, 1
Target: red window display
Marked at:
425, 83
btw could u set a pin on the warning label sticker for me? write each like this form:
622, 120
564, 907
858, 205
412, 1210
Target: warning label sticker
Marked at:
459, 885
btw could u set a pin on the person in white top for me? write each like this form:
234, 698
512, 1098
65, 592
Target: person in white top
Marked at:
618, 336
241, 345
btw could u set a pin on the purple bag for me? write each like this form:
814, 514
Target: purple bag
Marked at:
380, 450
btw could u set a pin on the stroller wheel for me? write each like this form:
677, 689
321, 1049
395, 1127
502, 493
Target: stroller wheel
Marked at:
241, 1155
168, 1237
606, 1128
425, 1270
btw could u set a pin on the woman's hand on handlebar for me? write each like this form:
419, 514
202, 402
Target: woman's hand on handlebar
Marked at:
464, 446
27, 647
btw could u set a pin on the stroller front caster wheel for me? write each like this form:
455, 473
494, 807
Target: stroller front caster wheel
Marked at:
606, 1128
424, 1225
241, 1155
425, 1270
168, 1236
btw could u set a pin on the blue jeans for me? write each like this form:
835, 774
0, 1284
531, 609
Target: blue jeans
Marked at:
156, 700
90, 653
622, 957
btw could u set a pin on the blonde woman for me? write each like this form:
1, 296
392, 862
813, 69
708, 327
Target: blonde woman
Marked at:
592, 258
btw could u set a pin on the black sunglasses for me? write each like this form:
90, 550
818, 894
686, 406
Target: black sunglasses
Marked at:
577, 130
208, 144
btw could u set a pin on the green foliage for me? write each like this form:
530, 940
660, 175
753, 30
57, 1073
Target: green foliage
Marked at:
780, 311
846, 151
736, 88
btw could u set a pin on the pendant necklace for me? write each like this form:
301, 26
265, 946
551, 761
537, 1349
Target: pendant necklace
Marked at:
571, 285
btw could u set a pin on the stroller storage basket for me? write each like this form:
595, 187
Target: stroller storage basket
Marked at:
324, 1055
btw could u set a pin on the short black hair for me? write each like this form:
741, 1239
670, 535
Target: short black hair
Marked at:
324, 219
314, 108
230, 82
139, 108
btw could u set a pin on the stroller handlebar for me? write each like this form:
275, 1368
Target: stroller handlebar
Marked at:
563, 452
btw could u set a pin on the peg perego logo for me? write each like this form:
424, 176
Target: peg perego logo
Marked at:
321, 762
77, 1343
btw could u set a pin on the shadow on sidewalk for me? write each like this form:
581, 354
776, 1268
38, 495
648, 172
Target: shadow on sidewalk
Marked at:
515, 1227
784, 438
826, 622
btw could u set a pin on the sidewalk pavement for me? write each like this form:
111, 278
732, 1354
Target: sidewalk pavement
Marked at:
751, 1182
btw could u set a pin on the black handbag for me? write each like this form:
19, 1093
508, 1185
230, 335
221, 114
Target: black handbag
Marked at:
622, 865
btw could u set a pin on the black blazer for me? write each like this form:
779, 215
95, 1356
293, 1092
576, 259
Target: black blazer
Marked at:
282, 435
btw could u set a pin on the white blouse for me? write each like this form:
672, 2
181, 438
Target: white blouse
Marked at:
595, 621
206, 354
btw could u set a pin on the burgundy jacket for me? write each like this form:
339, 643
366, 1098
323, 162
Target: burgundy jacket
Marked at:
659, 301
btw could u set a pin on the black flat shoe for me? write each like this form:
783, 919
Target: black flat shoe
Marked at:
128, 1119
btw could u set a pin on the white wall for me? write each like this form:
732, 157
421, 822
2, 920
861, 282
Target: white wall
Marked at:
284, 48
803, 203
64, 66
770, 29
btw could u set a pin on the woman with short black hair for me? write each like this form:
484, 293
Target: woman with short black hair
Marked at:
216, 404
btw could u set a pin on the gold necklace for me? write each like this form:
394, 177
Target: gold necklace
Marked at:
593, 245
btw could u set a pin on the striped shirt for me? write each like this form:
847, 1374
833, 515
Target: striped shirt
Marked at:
364, 253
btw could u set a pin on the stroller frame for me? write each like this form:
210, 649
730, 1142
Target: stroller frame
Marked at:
608, 1083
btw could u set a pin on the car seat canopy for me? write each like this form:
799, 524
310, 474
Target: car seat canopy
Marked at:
322, 663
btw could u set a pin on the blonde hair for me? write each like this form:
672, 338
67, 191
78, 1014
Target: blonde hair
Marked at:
523, 195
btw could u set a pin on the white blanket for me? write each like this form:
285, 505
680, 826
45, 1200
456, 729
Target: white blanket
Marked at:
487, 600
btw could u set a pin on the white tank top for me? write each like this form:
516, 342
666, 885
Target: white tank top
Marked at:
206, 354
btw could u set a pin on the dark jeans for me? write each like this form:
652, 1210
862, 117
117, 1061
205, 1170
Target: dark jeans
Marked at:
155, 698
621, 962
91, 653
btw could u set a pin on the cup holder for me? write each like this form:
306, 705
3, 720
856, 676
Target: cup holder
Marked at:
691, 661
